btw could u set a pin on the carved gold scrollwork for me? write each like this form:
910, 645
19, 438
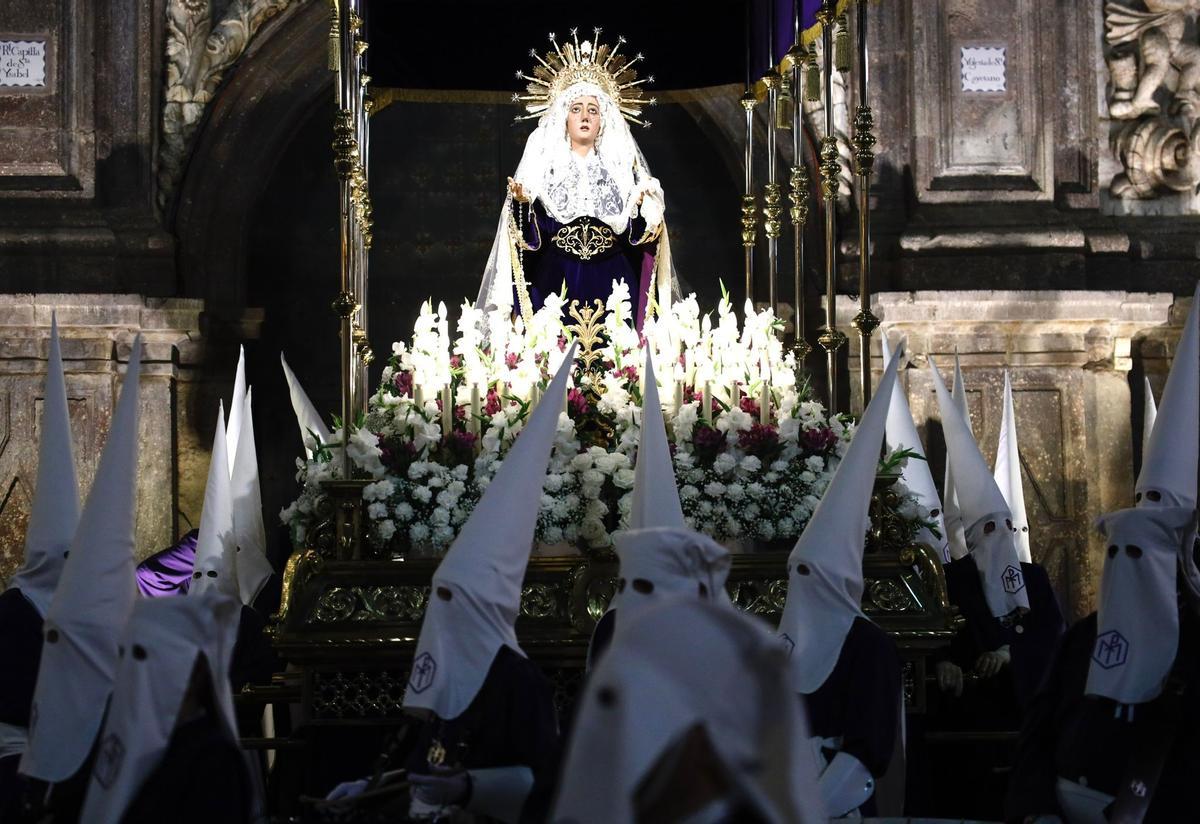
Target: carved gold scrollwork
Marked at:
540, 601
584, 240
749, 219
358, 694
763, 597
886, 595
588, 330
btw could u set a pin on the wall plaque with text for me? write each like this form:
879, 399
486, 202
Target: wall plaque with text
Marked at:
23, 63
983, 69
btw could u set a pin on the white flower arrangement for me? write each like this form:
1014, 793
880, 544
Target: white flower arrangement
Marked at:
752, 453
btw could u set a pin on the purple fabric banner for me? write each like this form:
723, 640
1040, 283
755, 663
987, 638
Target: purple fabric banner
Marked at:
782, 14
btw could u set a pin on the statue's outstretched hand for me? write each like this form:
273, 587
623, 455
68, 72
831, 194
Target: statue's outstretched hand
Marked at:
518, 191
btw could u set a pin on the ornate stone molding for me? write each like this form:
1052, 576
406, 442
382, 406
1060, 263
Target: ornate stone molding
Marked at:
1153, 104
199, 53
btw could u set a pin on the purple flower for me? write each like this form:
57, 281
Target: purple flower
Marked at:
577, 403
461, 446
510, 360
492, 404
456, 361
749, 406
403, 382
760, 440
629, 373
818, 440
707, 441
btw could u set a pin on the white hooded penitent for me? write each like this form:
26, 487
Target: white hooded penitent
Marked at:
250, 534
659, 562
1168, 474
307, 416
902, 434
215, 566
1137, 624
1007, 474
476, 590
985, 513
233, 429
160, 647
825, 574
955, 528
1149, 414
655, 493
94, 599
56, 496
652, 695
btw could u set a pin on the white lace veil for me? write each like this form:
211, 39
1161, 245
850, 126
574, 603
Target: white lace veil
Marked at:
606, 186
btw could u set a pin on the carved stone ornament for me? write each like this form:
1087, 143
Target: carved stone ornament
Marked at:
1153, 96
198, 55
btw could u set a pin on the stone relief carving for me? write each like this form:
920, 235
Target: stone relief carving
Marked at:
198, 55
1153, 98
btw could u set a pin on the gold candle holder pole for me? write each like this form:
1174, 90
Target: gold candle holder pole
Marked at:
772, 193
749, 202
831, 339
798, 184
864, 162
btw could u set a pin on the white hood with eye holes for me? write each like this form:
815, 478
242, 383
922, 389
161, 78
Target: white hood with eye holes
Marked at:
902, 434
1007, 474
825, 569
984, 512
1137, 624
56, 497
159, 646
91, 604
476, 591
665, 561
216, 545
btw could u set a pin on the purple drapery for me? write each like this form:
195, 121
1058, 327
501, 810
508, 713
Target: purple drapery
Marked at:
784, 28
168, 572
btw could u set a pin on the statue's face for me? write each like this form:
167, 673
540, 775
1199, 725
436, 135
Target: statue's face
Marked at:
583, 122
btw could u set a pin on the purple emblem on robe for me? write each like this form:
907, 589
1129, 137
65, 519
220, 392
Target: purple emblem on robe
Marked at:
169, 572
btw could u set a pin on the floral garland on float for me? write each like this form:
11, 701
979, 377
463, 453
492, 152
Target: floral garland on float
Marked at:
752, 451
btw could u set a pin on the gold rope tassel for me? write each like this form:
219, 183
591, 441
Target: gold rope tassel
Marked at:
841, 45
785, 106
812, 77
335, 40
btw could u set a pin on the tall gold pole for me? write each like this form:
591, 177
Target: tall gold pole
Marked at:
798, 194
864, 162
830, 339
345, 159
749, 202
772, 192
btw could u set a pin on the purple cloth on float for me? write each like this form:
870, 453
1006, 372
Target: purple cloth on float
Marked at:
169, 572
785, 33
548, 267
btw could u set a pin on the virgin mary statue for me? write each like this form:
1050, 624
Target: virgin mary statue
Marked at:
582, 211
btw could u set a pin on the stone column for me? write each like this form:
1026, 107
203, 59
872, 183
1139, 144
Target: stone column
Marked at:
97, 335
1070, 355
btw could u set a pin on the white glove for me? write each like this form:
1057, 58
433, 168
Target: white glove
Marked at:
445, 786
949, 677
347, 789
990, 663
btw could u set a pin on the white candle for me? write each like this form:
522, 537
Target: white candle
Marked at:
764, 404
447, 410
476, 410
418, 397
678, 396
706, 403
735, 395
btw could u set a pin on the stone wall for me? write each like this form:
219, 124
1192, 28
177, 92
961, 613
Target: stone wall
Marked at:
97, 333
1075, 360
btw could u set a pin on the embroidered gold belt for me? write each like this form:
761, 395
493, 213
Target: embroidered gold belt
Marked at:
584, 239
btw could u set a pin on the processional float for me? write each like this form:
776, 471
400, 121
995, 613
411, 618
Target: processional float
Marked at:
350, 614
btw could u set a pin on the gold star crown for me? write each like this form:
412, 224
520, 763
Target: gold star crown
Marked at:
586, 62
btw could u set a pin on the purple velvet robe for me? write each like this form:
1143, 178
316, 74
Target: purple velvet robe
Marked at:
548, 266
169, 572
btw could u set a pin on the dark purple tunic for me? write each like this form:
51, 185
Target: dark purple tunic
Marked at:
587, 256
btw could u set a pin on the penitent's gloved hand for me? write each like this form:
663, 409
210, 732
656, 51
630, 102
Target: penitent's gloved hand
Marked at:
443, 786
347, 789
